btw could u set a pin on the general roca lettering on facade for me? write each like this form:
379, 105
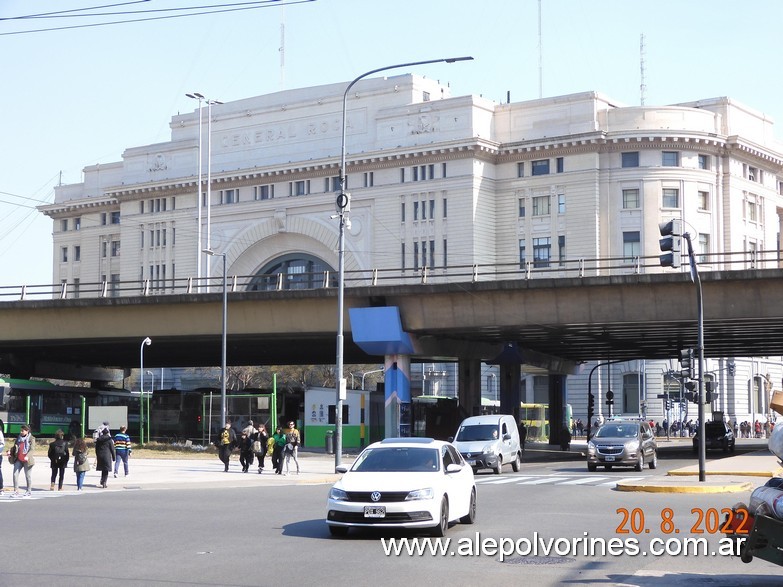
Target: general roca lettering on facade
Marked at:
282, 133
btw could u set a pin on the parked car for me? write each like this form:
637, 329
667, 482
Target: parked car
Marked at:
489, 442
403, 483
625, 443
717, 434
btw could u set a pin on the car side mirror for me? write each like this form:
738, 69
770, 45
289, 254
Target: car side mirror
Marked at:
341, 469
453, 468
451, 439
507, 436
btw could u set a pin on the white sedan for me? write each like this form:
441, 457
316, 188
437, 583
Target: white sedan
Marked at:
403, 483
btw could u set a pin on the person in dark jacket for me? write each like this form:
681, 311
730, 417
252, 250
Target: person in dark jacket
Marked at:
58, 457
262, 438
81, 463
277, 453
245, 451
226, 441
105, 454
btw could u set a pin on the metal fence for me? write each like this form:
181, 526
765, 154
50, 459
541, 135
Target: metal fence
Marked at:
539, 269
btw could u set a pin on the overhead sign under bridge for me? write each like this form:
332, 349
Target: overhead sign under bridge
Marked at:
378, 331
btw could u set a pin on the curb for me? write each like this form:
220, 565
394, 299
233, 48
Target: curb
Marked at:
706, 487
730, 473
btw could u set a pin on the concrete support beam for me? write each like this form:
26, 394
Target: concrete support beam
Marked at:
469, 386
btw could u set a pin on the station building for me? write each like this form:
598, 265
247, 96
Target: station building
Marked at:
546, 187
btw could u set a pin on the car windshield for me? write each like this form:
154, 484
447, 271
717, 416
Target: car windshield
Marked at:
477, 432
398, 459
714, 428
618, 431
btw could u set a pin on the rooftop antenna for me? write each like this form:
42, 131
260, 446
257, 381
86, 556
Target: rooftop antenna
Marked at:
642, 86
540, 51
282, 47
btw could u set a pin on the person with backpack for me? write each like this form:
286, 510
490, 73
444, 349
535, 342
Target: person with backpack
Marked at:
58, 457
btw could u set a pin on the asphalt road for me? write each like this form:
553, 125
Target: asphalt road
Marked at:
273, 535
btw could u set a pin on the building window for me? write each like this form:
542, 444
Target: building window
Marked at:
630, 198
540, 205
104, 249
423, 172
521, 169
141, 207
115, 248
443, 170
561, 249
671, 198
77, 253
265, 192
402, 211
630, 159
115, 217
415, 256
64, 254
76, 283
559, 164
751, 173
540, 167
561, 204
77, 223
752, 211
103, 218
300, 188
64, 225
670, 159
142, 238
415, 210
432, 209
631, 393
369, 179
226, 197
445, 208
402, 255
445, 253
704, 248
704, 161
542, 250
521, 253
402, 175
631, 246
521, 207
704, 200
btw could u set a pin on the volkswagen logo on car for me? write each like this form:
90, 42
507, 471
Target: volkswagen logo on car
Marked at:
375, 496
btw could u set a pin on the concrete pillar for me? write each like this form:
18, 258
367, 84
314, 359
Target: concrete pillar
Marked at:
469, 386
510, 375
397, 394
557, 394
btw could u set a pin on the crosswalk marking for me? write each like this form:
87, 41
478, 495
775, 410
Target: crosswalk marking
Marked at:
543, 479
582, 481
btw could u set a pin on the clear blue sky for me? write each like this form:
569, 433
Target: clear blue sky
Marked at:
78, 97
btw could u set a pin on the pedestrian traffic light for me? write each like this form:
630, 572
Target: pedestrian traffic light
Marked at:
732, 366
691, 396
671, 232
710, 392
687, 366
590, 402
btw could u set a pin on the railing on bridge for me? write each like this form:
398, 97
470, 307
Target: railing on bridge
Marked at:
567, 268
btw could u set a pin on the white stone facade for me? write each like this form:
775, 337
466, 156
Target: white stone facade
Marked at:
438, 181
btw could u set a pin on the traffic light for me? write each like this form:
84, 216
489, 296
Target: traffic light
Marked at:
691, 396
590, 402
710, 392
671, 232
732, 366
687, 364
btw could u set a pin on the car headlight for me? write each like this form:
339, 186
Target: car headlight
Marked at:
338, 494
632, 446
591, 447
426, 493
488, 450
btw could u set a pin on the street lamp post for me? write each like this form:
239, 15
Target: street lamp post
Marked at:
223, 339
209, 173
200, 98
149, 412
343, 207
146, 342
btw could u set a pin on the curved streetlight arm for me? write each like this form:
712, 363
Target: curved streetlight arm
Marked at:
343, 203
146, 342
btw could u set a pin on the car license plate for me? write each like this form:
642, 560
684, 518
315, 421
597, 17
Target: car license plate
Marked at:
471, 462
609, 459
374, 511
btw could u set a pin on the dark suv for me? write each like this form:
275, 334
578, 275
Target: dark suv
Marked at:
718, 435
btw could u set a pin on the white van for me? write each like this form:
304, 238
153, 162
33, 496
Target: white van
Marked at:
489, 442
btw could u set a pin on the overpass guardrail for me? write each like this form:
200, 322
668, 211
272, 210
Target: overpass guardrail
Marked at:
536, 269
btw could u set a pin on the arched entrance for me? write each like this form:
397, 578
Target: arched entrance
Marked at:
294, 271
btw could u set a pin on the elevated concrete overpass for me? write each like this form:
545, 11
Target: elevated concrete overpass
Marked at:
555, 322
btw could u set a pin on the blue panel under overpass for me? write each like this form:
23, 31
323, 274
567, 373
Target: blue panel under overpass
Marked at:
378, 331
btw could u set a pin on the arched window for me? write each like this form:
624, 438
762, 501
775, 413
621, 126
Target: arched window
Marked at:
296, 270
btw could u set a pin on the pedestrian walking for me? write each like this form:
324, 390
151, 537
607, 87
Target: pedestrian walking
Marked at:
260, 443
245, 451
21, 456
58, 457
122, 446
81, 463
277, 450
291, 447
226, 441
105, 455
